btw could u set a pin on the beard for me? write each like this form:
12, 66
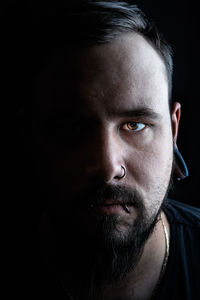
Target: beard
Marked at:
117, 253
94, 251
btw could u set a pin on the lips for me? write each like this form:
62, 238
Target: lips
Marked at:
111, 207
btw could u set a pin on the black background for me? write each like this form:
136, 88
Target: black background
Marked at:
179, 22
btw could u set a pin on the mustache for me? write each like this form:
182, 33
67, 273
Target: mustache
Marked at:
118, 194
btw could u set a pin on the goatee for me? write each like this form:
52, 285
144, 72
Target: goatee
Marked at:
109, 254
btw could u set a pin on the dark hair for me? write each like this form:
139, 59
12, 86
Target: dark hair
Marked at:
82, 23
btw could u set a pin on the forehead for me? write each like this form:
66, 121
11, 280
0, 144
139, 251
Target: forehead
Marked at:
111, 76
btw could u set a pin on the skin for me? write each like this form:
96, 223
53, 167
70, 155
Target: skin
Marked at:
121, 91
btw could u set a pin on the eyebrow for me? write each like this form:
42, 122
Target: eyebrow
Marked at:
141, 112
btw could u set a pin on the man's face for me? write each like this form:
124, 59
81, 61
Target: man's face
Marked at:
104, 109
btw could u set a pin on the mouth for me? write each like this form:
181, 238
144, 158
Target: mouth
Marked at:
110, 207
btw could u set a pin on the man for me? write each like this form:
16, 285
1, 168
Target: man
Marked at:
105, 132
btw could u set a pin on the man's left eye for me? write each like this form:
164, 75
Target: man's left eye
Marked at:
134, 126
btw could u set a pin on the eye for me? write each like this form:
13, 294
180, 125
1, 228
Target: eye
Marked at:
134, 126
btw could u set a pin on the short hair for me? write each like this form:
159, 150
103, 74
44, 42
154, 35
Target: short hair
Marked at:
83, 23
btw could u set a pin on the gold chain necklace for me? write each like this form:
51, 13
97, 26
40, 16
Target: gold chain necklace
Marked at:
165, 259
166, 249
163, 265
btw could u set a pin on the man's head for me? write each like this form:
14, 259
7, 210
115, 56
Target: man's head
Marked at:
82, 23
103, 109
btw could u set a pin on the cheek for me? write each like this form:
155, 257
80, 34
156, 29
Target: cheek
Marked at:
151, 165
150, 175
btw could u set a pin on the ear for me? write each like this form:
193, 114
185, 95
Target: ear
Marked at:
180, 168
175, 115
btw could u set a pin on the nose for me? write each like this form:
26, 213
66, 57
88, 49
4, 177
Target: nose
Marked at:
106, 158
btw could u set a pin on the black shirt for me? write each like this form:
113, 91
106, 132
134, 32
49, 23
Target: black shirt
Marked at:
182, 274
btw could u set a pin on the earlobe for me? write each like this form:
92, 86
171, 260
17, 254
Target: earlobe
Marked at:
180, 167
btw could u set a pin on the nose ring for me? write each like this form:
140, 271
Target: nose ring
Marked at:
123, 172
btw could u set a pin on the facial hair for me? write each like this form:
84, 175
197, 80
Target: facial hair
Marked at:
106, 254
